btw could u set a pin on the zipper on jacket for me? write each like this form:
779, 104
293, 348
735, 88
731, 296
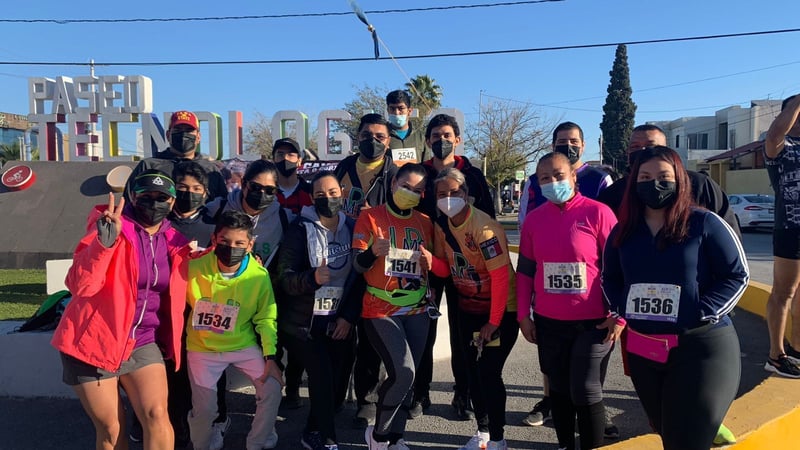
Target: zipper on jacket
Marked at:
147, 289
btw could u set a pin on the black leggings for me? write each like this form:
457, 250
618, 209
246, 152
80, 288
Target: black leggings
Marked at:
687, 398
485, 375
574, 358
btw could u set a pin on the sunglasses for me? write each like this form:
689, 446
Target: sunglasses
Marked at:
269, 190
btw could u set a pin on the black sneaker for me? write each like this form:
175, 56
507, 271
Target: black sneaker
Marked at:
463, 407
312, 440
792, 353
782, 366
539, 414
418, 407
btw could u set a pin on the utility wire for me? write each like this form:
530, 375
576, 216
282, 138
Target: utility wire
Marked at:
275, 16
385, 58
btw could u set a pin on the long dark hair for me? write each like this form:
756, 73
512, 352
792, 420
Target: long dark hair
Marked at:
676, 215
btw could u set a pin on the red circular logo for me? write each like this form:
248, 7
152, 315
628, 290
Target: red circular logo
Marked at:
18, 177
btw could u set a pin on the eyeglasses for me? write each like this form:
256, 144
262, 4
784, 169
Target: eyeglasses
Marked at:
269, 190
364, 135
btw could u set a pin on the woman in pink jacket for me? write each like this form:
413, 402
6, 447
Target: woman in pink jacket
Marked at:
128, 281
558, 277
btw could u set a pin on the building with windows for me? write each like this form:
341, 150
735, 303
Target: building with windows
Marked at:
700, 138
15, 131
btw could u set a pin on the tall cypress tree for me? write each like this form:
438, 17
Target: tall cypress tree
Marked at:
618, 113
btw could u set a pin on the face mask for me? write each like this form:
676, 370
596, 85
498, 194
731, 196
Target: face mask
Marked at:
557, 192
328, 206
371, 148
150, 212
451, 206
286, 168
259, 200
229, 256
405, 199
442, 148
397, 121
182, 141
572, 152
656, 194
186, 201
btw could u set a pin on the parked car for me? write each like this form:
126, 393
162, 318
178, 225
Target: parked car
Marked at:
753, 210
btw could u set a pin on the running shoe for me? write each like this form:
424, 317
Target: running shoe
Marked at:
477, 442
463, 407
539, 414
372, 444
311, 440
782, 366
399, 445
792, 353
218, 430
497, 445
724, 436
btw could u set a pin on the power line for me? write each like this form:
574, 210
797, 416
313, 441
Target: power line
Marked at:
274, 16
385, 58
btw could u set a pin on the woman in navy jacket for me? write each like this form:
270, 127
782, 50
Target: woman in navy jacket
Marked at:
674, 271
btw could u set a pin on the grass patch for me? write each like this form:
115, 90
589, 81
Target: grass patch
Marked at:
21, 292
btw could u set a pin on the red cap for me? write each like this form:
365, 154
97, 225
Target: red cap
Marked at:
184, 118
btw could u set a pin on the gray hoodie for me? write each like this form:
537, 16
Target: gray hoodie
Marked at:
335, 244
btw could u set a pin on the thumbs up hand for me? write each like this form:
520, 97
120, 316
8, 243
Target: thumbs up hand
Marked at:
381, 245
323, 274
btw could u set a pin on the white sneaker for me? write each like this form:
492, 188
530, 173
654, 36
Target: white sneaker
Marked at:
218, 430
372, 444
497, 445
477, 442
400, 445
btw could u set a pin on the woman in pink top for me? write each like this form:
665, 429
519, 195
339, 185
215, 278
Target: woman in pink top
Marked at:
560, 254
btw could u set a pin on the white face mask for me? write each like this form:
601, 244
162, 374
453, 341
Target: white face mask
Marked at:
451, 206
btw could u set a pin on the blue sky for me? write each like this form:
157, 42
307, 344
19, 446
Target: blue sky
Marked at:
570, 84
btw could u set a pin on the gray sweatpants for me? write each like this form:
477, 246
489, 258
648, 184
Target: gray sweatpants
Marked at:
400, 342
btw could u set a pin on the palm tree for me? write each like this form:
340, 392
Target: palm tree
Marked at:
9, 152
426, 94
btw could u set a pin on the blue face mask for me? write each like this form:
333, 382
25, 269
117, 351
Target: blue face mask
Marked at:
558, 191
397, 121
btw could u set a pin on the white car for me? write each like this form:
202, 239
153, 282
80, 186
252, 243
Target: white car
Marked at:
753, 210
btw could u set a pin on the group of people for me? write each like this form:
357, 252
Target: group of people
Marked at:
179, 280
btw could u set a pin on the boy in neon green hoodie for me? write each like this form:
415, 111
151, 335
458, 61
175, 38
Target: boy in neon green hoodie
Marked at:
232, 308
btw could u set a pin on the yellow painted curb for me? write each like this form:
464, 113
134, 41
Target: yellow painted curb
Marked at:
768, 417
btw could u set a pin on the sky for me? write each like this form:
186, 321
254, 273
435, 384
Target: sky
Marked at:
669, 80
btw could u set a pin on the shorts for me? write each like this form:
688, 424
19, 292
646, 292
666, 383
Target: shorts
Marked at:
786, 243
78, 372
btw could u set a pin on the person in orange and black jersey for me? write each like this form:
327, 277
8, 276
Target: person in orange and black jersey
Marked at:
443, 135
366, 179
293, 194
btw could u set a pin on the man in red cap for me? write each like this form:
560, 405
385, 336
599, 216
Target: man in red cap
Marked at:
183, 135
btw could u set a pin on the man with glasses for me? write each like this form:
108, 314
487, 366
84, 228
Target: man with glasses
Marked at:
183, 135
366, 180
407, 144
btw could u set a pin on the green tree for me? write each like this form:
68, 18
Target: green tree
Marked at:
9, 152
426, 95
368, 99
508, 137
619, 112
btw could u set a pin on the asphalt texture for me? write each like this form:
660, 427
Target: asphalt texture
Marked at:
45, 424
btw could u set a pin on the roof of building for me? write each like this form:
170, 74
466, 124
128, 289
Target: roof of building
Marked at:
739, 151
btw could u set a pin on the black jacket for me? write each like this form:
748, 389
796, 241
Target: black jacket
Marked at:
297, 287
476, 184
165, 161
705, 192
381, 187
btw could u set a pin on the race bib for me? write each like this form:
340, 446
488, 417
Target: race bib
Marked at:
216, 317
402, 263
404, 154
326, 300
653, 301
565, 278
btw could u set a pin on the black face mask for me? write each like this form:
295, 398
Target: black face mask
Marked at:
656, 194
286, 168
149, 212
328, 206
572, 152
442, 148
229, 256
182, 141
259, 200
186, 201
371, 148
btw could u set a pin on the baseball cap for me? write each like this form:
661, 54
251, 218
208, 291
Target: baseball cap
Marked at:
287, 142
154, 181
184, 118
